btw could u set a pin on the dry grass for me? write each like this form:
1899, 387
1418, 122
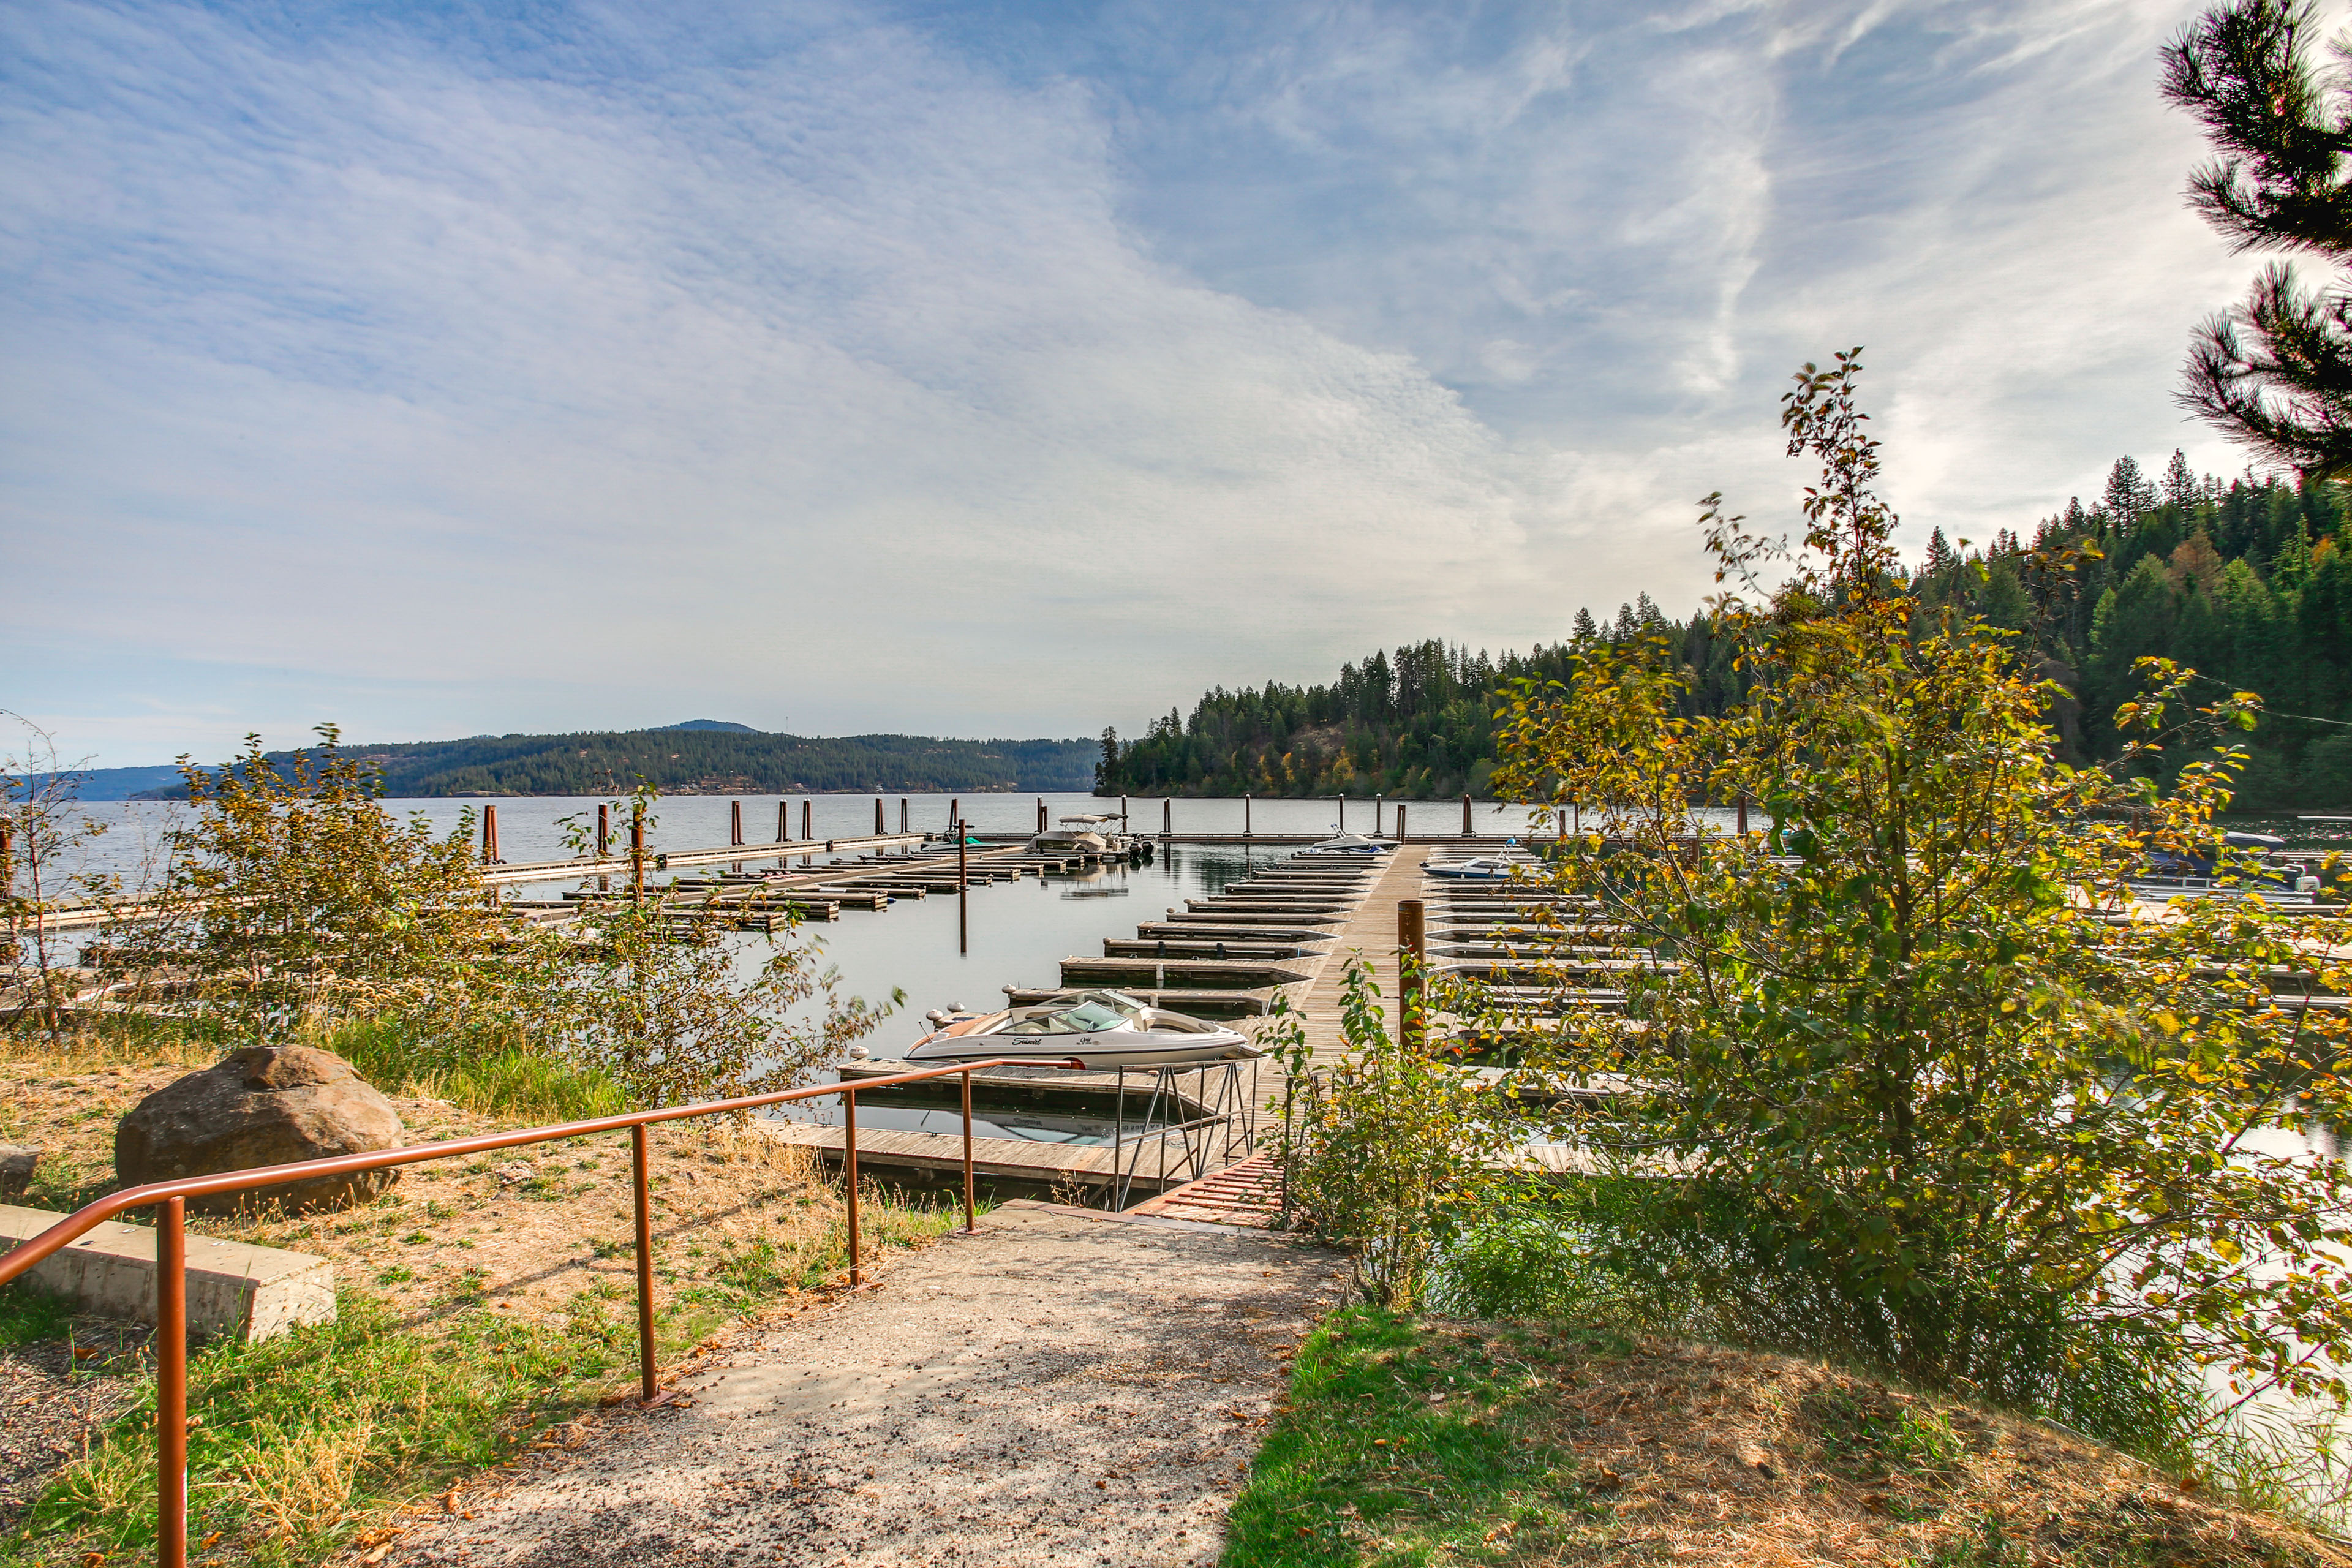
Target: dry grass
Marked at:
488, 1307
525, 1230
1432, 1440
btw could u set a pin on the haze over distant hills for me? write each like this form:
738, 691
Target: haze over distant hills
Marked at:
701, 756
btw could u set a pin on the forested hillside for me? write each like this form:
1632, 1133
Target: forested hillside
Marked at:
713, 761
2250, 581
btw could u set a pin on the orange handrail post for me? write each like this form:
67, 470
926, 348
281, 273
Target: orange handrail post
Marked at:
171, 1382
850, 1100
970, 1225
641, 1147
170, 1201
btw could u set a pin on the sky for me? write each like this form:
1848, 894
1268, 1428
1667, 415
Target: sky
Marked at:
1009, 369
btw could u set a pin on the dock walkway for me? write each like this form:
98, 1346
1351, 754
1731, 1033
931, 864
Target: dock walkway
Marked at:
1370, 932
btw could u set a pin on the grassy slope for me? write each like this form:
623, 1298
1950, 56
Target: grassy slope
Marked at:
306, 1444
1428, 1441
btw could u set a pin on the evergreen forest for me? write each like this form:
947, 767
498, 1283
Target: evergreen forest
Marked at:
2249, 582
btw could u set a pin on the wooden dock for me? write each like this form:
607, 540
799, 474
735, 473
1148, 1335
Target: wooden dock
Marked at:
1371, 931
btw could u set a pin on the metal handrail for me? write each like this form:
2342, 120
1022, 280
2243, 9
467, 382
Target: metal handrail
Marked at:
170, 1202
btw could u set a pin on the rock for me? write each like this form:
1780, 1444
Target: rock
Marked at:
271, 1105
17, 1165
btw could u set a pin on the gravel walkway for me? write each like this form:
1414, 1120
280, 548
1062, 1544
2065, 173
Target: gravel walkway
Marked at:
56, 1395
1058, 1390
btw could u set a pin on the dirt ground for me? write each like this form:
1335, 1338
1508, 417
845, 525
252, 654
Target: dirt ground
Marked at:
1058, 1390
525, 1228
524, 1232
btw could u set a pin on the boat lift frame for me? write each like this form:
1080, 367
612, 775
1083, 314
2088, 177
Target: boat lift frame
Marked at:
1225, 1134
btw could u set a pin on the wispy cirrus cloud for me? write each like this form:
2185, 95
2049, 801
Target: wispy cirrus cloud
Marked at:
980, 369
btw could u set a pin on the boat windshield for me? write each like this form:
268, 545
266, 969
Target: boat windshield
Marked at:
1118, 1002
1086, 1017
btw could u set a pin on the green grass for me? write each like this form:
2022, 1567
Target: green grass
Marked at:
29, 1313
1364, 1467
301, 1443
528, 1085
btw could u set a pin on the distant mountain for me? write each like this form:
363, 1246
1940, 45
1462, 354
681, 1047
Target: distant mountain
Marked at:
705, 757
116, 783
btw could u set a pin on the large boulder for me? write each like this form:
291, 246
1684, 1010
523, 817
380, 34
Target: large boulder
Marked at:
269, 1105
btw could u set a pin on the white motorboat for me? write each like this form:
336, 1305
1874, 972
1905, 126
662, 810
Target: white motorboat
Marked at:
1483, 868
1097, 1029
1346, 846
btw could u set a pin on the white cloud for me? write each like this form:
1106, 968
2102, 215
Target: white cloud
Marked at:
803, 367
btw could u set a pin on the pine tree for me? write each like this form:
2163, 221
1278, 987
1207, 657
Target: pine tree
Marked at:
2275, 372
1586, 629
2128, 497
2179, 483
1939, 552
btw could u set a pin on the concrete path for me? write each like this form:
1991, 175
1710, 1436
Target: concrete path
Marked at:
1056, 1390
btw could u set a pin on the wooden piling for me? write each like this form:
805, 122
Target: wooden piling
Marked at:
637, 848
1399, 821
903, 809
1465, 816
735, 821
1743, 817
1245, 814
1412, 964
1041, 814
964, 890
783, 820
1343, 815
1168, 819
604, 833
491, 837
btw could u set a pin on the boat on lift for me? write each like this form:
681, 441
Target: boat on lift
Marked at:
1346, 846
2239, 867
1085, 833
1096, 1029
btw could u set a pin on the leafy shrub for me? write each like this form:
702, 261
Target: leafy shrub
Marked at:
1907, 1090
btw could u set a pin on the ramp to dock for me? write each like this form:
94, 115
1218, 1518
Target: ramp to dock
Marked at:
1061, 1390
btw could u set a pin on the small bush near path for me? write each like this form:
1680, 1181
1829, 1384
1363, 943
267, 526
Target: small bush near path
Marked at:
1422, 1440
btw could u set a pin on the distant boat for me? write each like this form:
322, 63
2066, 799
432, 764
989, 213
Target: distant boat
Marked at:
1085, 835
1346, 845
2172, 874
1483, 868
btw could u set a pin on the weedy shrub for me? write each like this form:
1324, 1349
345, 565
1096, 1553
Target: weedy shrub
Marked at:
1393, 1152
1906, 1087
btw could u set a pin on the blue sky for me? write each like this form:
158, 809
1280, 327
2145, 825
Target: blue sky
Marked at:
998, 368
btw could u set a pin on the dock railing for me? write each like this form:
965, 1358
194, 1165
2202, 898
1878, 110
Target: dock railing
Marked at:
169, 1199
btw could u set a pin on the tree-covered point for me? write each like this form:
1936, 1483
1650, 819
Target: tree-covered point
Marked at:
714, 761
1416, 724
2248, 583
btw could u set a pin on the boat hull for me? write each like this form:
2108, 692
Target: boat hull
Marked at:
1142, 1052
